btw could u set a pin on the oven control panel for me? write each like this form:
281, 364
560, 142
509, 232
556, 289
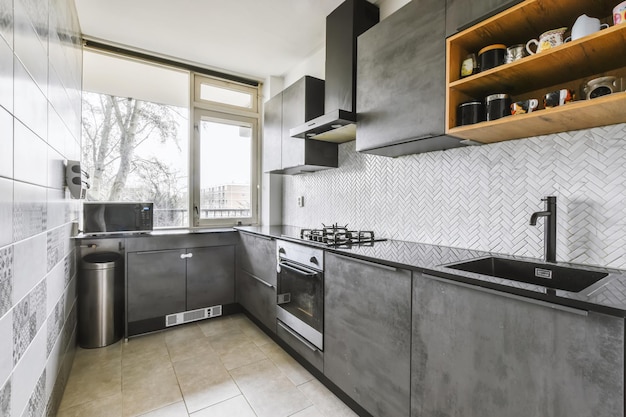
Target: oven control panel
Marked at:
302, 254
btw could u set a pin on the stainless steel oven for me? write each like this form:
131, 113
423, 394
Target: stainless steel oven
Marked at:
300, 292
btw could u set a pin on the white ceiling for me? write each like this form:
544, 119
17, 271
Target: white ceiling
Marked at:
255, 38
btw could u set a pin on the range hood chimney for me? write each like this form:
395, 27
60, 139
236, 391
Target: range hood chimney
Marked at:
343, 26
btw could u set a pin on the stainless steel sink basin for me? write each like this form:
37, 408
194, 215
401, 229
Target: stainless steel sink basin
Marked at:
547, 275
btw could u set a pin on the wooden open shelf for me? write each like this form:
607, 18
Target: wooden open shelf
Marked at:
567, 66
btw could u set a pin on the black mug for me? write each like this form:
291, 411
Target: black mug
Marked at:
497, 106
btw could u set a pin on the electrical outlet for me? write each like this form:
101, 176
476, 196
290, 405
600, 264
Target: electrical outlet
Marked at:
301, 201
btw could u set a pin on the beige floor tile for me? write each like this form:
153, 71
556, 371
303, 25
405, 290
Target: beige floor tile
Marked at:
173, 410
235, 407
141, 347
268, 390
88, 382
224, 343
216, 326
325, 401
288, 365
189, 331
105, 355
309, 412
243, 354
148, 389
102, 407
204, 382
253, 332
181, 348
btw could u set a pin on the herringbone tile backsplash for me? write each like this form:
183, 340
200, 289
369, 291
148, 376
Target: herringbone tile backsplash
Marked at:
481, 197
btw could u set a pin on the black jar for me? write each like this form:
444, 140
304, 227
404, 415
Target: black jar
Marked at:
497, 106
491, 56
470, 112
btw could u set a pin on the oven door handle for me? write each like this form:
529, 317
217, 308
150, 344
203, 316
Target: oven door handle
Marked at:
297, 336
298, 269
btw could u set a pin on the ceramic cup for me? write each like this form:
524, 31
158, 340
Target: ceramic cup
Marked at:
515, 53
547, 40
558, 98
584, 26
524, 106
619, 13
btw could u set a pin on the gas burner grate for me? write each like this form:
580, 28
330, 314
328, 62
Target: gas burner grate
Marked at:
336, 235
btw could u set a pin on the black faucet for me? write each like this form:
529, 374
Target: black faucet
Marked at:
549, 227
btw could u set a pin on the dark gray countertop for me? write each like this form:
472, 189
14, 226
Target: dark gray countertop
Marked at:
158, 232
607, 296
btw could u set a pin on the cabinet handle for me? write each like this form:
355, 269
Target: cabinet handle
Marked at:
512, 296
297, 336
262, 281
186, 255
361, 261
150, 252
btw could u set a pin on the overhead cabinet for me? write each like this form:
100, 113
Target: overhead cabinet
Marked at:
567, 66
283, 154
401, 82
461, 14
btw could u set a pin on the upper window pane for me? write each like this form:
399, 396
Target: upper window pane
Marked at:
225, 96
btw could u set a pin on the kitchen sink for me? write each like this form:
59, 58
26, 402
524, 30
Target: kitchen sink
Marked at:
546, 275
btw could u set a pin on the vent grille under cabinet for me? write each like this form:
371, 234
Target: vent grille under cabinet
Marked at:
193, 315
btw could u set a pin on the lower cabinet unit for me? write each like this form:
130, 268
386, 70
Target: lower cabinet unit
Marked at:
478, 353
367, 333
256, 278
163, 279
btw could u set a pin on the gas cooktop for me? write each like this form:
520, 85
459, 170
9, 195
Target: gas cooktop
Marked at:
336, 235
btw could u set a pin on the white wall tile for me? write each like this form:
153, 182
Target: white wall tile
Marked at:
6, 212
28, 47
27, 373
30, 265
480, 197
30, 158
55, 286
6, 347
6, 140
6, 75
30, 104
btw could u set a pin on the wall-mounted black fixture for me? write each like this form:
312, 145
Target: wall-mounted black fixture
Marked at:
343, 25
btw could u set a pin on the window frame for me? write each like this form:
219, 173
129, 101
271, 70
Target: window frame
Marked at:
223, 113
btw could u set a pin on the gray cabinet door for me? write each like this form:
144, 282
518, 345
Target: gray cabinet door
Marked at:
401, 82
272, 133
367, 333
210, 276
258, 297
460, 14
256, 278
258, 256
478, 354
155, 284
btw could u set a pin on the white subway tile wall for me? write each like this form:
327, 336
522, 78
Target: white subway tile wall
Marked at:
481, 197
40, 107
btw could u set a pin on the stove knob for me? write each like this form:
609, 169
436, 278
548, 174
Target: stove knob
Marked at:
313, 260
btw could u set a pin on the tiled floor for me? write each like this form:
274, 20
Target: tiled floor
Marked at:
219, 367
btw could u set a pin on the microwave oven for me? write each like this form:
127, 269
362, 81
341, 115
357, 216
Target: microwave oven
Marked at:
113, 217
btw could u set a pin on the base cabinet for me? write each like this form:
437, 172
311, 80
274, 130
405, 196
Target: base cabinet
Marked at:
166, 276
367, 333
256, 278
477, 354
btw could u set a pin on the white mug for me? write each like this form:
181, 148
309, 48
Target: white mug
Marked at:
584, 26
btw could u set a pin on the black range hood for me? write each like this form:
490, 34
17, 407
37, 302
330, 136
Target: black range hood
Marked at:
343, 25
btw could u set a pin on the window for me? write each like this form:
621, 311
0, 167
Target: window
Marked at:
225, 153
136, 145
135, 140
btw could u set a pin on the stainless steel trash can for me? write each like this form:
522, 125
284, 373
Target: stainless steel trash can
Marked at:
100, 300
